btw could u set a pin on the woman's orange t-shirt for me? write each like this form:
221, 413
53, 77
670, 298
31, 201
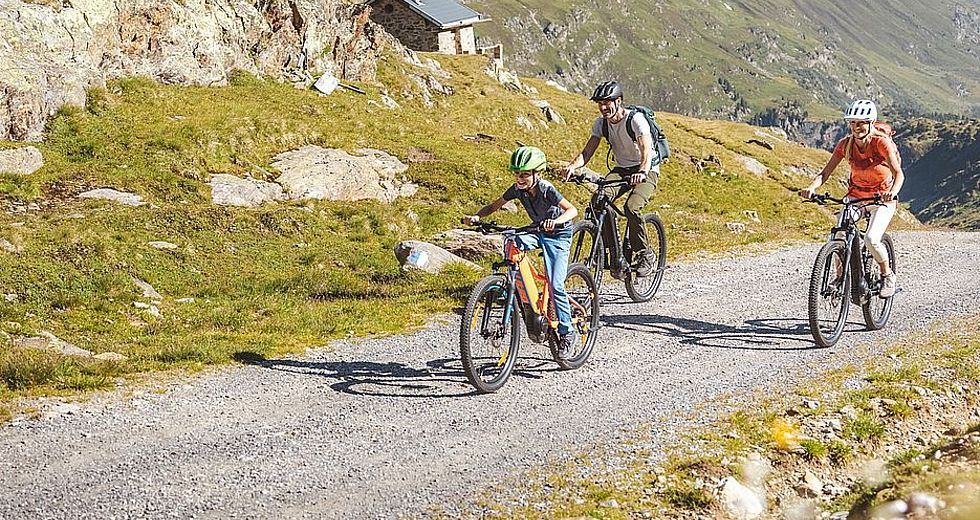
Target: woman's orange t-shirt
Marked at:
870, 173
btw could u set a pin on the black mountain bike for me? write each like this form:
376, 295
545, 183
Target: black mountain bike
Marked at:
589, 247
844, 270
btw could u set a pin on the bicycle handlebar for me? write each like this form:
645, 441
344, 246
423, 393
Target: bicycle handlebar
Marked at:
493, 227
823, 199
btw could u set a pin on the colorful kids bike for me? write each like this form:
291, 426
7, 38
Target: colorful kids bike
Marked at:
490, 333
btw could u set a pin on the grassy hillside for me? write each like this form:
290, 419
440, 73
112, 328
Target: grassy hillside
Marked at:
288, 276
734, 58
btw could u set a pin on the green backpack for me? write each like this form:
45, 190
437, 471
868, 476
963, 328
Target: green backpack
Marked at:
661, 149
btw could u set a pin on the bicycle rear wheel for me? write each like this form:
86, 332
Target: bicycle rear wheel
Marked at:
829, 290
642, 289
584, 298
587, 248
487, 344
877, 309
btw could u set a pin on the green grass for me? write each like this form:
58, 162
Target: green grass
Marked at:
285, 277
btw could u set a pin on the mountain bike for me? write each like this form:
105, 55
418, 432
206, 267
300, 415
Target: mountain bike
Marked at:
490, 335
589, 247
845, 269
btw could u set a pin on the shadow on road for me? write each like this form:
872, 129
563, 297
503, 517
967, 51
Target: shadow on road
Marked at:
762, 334
440, 377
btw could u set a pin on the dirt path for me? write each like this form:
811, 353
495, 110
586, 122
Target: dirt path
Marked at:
388, 427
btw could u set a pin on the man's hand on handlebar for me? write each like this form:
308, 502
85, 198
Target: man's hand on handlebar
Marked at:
638, 178
469, 220
807, 193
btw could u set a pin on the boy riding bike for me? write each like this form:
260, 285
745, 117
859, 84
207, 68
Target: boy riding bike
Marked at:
633, 163
553, 213
876, 169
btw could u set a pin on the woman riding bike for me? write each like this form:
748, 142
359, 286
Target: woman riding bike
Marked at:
876, 169
553, 214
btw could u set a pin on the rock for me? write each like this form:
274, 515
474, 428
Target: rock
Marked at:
313, 172
552, 115
924, 505
735, 227
765, 144
54, 53
525, 122
148, 290
159, 244
21, 161
470, 244
229, 190
185, 300
810, 403
10, 297
389, 103
610, 503
752, 165
152, 309
49, 342
894, 510
10, 248
415, 254
111, 356
752, 215
122, 197
849, 411
811, 486
555, 84
740, 501
412, 216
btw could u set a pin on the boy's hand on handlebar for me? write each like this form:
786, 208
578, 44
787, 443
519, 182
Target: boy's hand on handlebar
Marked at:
548, 225
469, 220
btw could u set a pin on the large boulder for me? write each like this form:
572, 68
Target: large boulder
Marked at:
21, 161
313, 172
415, 254
50, 54
470, 244
228, 190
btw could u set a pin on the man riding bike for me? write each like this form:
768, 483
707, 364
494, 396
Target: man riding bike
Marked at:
633, 163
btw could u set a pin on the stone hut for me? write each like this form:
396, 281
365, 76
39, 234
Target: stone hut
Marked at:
429, 25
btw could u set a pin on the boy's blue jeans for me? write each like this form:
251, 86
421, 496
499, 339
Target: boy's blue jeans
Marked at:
555, 247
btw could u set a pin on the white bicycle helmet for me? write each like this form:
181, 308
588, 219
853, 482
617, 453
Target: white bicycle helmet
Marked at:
861, 110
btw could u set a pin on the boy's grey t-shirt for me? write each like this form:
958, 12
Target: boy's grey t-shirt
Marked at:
626, 151
542, 206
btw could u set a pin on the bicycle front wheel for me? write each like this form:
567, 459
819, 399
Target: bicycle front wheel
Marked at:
587, 248
877, 309
829, 290
584, 299
642, 289
488, 338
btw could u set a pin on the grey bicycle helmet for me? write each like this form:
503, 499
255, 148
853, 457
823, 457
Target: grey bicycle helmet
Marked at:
607, 91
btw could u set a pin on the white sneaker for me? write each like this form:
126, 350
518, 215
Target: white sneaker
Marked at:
888, 286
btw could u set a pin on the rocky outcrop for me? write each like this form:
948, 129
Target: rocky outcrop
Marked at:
228, 190
415, 254
313, 172
122, 197
49, 55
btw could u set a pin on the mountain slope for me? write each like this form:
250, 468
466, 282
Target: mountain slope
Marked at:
736, 58
942, 165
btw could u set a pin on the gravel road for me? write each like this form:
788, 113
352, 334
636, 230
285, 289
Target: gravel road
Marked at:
389, 427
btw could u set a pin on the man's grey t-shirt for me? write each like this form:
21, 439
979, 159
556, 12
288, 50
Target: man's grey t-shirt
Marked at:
626, 151
543, 205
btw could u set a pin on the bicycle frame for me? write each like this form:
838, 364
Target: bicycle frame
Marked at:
848, 223
523, 283
604, 212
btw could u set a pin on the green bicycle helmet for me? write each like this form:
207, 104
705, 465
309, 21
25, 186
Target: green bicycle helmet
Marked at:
528, 158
